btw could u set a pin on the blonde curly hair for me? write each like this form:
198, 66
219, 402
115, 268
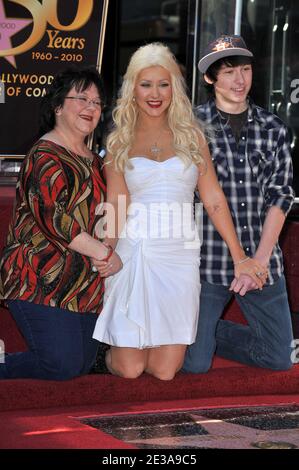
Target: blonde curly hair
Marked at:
185, 127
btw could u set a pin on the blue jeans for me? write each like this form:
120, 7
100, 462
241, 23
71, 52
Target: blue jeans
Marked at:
60, 343
265, 342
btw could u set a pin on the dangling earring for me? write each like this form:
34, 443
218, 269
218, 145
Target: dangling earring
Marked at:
134, 99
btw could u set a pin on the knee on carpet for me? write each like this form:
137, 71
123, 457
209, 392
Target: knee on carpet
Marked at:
128, 371
281, 364
196, 367
276, 360
60, 368
161, 373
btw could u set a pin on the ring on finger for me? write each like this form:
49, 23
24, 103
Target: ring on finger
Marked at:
260, 274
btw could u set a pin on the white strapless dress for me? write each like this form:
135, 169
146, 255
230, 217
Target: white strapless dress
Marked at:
154, 299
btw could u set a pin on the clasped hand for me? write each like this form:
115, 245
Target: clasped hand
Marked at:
110, 267
250, 275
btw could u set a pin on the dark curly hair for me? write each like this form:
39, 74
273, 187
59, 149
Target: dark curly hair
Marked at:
64, 81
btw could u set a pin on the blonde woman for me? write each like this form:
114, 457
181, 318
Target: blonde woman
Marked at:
157, 156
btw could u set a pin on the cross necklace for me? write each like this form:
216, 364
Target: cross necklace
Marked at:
155, 150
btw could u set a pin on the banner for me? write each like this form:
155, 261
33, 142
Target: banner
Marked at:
38, 38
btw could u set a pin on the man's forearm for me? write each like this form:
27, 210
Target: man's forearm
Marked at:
270, 234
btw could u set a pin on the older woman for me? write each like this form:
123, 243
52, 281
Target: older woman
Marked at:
157, 157
47, 278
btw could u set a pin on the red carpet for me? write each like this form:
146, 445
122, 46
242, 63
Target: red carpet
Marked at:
53, 430
232, 380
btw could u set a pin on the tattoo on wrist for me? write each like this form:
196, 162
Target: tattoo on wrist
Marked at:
214, 209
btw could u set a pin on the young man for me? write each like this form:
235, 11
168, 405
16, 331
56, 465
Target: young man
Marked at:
250, 149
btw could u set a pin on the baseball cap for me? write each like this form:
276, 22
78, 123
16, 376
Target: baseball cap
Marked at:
224, 46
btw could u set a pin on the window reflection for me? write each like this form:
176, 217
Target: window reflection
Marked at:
271, 29
157, 20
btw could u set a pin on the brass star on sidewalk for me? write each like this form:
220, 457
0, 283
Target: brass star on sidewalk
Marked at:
9, 27
225, 435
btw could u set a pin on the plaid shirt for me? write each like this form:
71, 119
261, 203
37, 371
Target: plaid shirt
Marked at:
255, 174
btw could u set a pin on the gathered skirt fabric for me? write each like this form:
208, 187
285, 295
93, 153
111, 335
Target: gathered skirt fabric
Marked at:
154, 299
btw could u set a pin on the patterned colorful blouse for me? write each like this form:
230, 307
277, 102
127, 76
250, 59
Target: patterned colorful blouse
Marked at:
58, 196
